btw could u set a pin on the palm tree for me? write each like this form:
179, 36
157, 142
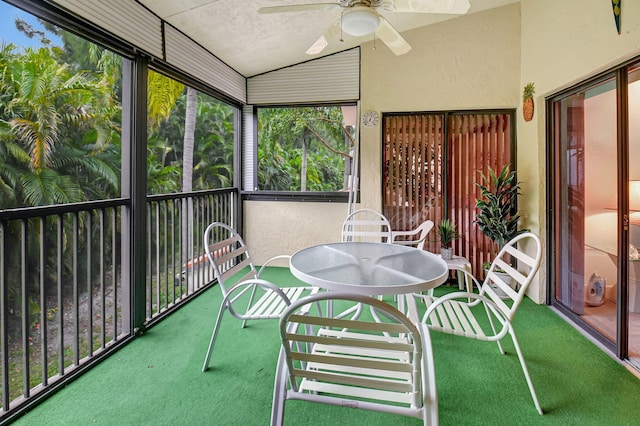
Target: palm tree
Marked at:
187, 170
213, 158
48, 96
163, 95
44, 104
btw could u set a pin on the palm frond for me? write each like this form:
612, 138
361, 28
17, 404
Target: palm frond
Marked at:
48, 187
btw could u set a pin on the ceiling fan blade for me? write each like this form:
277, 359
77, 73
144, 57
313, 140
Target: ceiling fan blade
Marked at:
432, 6
297, 8
392, 38
331, 34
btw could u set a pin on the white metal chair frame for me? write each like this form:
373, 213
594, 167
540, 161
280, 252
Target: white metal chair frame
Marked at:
416, 237
452, 313
366, 225
229, 257
385, 367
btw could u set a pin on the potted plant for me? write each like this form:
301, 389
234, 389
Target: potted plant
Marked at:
446, 233
497, 217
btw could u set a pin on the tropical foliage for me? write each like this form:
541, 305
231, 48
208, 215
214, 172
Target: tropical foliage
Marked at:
179, 159
56, 130
497, 216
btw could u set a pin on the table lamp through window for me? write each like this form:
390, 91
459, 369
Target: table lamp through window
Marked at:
634, 196
634, 216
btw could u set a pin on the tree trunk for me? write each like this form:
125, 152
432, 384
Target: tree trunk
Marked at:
346, 181
187, 181
303, 166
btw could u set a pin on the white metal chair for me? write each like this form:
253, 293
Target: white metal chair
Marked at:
352, 363
250, 297
416, 237
459, 313
366, 225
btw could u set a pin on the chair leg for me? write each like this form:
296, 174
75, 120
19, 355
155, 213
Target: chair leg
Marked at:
357, 308
430, 390
253, 292
279, 391
493, 328
525, 370
214, 334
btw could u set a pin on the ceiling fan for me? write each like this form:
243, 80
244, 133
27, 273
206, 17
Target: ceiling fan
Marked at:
361, 17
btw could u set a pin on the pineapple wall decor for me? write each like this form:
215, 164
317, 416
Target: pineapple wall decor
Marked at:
527, 101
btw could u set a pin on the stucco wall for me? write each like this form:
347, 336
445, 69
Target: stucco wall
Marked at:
282, 227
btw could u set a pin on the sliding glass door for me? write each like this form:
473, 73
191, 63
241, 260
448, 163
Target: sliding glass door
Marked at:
595, 215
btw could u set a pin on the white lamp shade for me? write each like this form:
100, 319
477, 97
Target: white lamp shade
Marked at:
359, 21
634, 195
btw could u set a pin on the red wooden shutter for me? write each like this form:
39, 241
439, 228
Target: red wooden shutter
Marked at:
412, 170
414, 173
476, 142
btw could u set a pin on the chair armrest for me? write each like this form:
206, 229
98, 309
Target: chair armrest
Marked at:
472, 299
245, 285
273, 259
411, 233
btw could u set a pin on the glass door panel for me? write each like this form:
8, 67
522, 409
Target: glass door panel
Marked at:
601, 204
586, 205
634, 215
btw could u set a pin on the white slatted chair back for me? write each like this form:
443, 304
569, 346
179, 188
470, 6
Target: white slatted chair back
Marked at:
244, 293
380, 366
459, 313
416, 237
227, 254
366, 225
503, 276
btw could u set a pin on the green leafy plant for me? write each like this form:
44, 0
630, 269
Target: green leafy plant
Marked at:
498, 218
446, 233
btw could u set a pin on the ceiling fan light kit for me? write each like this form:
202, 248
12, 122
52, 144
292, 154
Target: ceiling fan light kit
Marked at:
360, 21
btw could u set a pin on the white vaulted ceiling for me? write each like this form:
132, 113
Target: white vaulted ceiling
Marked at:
253, 43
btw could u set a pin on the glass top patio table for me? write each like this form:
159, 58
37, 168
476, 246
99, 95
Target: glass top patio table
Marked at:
369, 268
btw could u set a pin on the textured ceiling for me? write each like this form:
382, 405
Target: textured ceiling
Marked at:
252, 43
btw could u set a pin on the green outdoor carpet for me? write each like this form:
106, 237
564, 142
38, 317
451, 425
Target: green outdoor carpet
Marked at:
157, 379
